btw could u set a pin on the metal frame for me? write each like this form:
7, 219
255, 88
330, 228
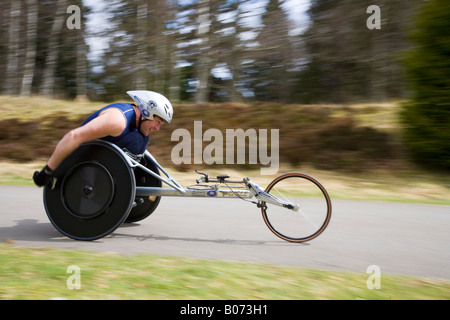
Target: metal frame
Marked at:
213, 189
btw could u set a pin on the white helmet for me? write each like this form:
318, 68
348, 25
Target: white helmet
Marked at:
152, 103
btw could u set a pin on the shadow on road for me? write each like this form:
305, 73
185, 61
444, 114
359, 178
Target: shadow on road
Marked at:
31, 230
156, 237
35, 231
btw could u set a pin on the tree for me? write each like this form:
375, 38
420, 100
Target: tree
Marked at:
39, 52
82, 67
204, 63
140, 50
273, 57
31, 47
229, 49
347, 61
48, 84
427, 116
12, 65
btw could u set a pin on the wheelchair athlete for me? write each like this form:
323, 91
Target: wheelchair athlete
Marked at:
126, 125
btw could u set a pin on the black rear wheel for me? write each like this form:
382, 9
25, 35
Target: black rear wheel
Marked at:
145, 206
94, 192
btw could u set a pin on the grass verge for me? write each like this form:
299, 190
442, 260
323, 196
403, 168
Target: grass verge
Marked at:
401, 183
31, 273
409, 185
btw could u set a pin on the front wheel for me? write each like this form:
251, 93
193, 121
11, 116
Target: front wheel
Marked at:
314, 208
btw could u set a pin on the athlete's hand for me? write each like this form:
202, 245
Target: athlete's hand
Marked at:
43, 177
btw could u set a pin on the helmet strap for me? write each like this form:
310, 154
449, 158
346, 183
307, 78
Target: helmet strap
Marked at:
141, 119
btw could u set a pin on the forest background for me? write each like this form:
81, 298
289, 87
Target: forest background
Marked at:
256, 63
206, 50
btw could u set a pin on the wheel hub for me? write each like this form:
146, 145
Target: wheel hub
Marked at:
87, 190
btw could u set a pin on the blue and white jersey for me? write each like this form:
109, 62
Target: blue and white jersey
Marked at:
130, 139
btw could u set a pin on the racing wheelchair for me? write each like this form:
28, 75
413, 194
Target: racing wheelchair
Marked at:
100, 186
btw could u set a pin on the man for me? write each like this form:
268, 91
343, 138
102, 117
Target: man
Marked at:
126, 125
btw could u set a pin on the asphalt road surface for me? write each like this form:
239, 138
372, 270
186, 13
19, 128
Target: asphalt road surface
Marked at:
398, 238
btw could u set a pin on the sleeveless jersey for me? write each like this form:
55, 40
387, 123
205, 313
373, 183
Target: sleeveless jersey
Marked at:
130, 139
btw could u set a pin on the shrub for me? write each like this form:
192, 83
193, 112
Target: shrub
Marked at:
311, 135
426, 118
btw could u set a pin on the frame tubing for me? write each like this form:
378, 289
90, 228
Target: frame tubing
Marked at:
205, 193
177, 190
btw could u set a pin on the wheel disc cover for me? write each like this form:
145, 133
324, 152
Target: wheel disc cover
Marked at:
87, 190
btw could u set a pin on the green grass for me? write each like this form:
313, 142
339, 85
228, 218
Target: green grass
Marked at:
32, 273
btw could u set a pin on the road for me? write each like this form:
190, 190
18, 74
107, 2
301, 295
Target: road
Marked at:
398, 238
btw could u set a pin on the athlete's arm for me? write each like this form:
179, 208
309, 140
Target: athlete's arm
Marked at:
111, 122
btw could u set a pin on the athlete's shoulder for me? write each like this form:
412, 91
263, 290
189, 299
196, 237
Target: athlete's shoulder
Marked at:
120, 105
123, 108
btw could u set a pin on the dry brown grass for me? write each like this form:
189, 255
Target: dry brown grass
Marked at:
349, 175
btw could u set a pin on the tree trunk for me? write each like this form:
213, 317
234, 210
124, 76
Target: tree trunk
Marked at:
47, 87
203, 63
236, 57
11, 83
82, 67
174, 73
30, 55
141, 63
